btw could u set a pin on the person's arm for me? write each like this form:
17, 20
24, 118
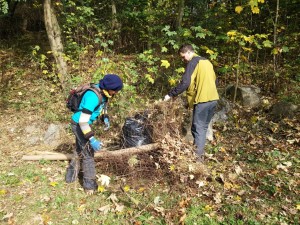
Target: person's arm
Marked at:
88, 104
84, 125
186, 78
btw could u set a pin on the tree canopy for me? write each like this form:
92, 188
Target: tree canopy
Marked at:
255, 40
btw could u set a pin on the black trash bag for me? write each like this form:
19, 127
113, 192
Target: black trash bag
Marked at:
137, 131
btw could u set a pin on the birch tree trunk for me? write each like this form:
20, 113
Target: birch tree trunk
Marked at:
54, 36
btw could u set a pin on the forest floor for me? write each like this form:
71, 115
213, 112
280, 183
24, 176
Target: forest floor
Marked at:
250, 174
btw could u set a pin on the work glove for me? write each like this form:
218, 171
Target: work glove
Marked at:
106, 122
167, 98
96, 145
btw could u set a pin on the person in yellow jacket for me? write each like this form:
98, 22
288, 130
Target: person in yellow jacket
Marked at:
199, 82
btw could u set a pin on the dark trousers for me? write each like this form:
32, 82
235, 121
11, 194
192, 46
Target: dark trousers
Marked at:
84, 158
202, 115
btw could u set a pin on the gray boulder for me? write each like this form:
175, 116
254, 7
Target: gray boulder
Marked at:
53, 135
247, 96
282, 109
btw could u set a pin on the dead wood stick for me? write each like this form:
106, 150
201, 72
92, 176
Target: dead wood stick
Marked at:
103, 153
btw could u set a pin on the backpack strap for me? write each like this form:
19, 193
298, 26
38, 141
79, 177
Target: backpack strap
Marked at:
98, 92
92, 87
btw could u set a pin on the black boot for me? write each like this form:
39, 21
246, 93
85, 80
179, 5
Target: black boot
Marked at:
90, 186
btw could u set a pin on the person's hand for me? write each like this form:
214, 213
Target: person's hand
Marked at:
96, 145
167, 98
106, 122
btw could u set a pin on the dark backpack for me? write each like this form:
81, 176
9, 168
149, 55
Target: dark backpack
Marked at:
75, 96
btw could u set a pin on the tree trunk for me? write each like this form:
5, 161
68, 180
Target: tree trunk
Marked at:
180, 14
275, 38
54, 36
114, 22
115, 25
237, 73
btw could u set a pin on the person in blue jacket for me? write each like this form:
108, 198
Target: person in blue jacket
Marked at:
86, 144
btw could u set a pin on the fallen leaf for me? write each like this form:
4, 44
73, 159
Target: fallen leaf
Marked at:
135, 201
7, 216
101, 188
105, 209
132, 161
232, 176
200, 183
191, 168
228, 185
119, 208
53, 183
222, 149
46, 218
126, 188
217, 198
81, 208
238, 170
75, 222
182, 218
157, 200
241, 192
237, 198
208, 208
160, 210
113, 198
284, 166
172, 168
288, 164
184, 202
105, 180
3, 192
291, 141
141, 189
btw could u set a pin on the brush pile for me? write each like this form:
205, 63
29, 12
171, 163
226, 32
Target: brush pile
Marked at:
173, 161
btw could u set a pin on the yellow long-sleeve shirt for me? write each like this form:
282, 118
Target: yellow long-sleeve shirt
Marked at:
203, 84
199, 82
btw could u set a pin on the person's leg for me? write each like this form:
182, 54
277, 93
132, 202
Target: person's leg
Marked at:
74, 166
86, 154
73, 170
89, 170
202, 115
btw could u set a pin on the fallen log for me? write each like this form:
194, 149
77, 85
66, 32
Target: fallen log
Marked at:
102, 153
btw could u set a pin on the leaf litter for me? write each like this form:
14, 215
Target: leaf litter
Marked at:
251, 162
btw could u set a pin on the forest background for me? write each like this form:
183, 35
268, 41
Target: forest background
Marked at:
48, 47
